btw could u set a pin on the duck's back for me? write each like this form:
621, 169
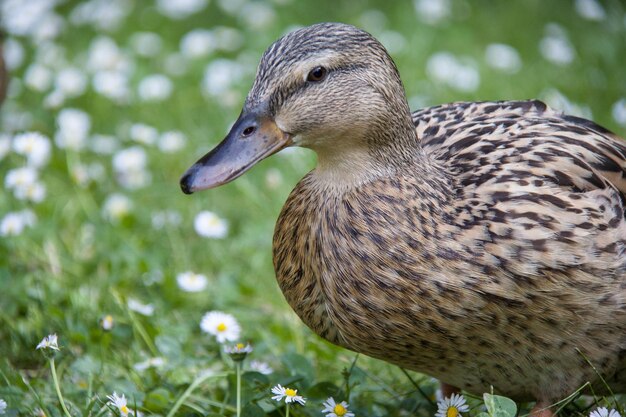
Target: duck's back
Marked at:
543, 189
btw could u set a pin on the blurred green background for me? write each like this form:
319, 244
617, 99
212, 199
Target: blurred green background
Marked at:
78, 262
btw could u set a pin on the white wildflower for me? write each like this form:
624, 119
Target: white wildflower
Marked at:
119, 403
618, 111
116, 207
261, 367
604, 412
335, 409
139, 307
164, 218
34, 146
73, 129
156, 362
221, 325
107, 322
452, 406
191, 282
172, 141
112, 84
38, 77
590, 9
180, 9
503, 58
34, 192
103, 144
14, 223
155, 87
20, 177
198, 43
221, 75
290, 395
49, 342
143, 133
3, 406
71, 82
432, 11
13, 53
209, 224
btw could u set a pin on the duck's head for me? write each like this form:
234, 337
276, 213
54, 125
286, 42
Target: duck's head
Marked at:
330, 87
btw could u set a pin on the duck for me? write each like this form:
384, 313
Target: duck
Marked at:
481, 243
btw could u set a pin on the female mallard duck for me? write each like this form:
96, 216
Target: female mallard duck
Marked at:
481, 243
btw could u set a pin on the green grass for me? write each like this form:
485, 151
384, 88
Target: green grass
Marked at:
74, 267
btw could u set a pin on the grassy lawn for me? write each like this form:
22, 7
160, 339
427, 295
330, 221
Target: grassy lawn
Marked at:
99, 246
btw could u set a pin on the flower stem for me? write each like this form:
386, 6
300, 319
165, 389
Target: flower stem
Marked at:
55, 379
238, 367
287, 410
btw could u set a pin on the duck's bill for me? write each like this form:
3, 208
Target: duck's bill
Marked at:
251, 139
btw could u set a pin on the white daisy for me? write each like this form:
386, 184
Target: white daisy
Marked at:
130, 159
149, 363
290, 395
334, 409
37, 77
34, 192
172, 141
156, 87
191, 282
261, 367
3, 406
73, 129
107, 322
238, 351
20, 177
221, 325
49, 342
119, 403
71, 82
198, 43
116, 207
34, 146
604, 412
452, 406
14, 223
139, 307
143, 134
209, 224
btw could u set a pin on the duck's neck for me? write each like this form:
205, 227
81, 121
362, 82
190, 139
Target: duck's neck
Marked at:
350, 162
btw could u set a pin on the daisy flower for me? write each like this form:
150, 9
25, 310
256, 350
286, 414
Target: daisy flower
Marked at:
3, 406
191, 282
34, 146
221, 325
49, 342
604, 412
452, 406
239, 351
334, 409
290, 395
107, 322
139, 307
209, 224
261, 367
119, 403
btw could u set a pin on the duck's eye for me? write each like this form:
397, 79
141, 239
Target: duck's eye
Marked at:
317, 74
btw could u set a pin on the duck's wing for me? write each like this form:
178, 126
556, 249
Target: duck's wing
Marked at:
536, 189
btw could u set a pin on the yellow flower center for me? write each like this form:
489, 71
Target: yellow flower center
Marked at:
239, 346
452, 412
340, 410
291, 392
221, 327
124, 410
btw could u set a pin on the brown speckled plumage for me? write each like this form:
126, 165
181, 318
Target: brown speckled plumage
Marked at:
481, 243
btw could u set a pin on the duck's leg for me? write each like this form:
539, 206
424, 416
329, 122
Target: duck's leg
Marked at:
541, 410
447, 390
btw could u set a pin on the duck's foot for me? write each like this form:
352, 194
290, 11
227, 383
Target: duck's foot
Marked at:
447, 390
541, 410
